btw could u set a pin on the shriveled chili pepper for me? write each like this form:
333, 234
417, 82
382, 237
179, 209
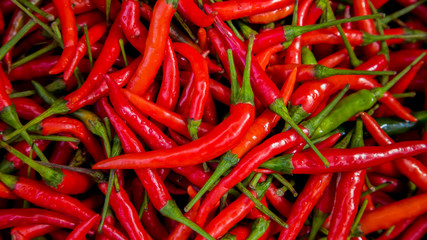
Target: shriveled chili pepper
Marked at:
200, 86
43, 196
344, 159
83, 228
156, 40
410, 167
391, 214
95, 33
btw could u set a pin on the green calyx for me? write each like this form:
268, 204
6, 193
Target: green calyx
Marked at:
379, 92
278, 107
298, 114
174, 3
227, 161
193, 128
324, 72
319, 218
172, 211
259, 227
58, 107
7, 166
8, 180
282, 164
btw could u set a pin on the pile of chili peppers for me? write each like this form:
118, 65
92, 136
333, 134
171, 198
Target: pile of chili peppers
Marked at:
237, 119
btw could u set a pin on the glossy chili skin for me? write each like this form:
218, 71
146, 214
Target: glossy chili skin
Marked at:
306, 200
76, 128
152, 223
391, 214
347, 159
27, 108
238, 123
125, 213
11, 163
361, 8
269, 148
398, 229
31, 231
189, 10
417, 229
156, 39
95, 33
134, 30
272, 16
20, 216
229, 10
83, 228
410, 167
69, 34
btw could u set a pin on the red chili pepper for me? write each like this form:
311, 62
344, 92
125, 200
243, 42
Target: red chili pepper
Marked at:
362, 8
401, 86
391, 214
76, 128
156, 39
189, 10
306, 200
5, 82
89, 19
273, 15
200, 86
22, 216
94, 33
134, 30
11, 162
114, 7
280, 203
410, 167
152, 223
43, 196
395, 185
125, 213
229, 10
419, 11
417, 229
334, 59
345, 159
83, 228
31, 231
69, 34
27, 108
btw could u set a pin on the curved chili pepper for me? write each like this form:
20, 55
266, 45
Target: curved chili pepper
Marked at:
32, 231
306, 200
134, 30
401, 86
64, 124
189, 10
156, 39
412, 168
273, 15
334, 59
200, 86
395, 185
152, 223
229, 10
164, 116
417, 229
83, 228
391, 214
27, 108
125, 213
69, 34
43, 196
20, 216
361, 8
94, 33
344, 159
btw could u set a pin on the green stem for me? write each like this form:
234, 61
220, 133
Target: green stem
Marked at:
107, 10
285, 183
58, 107
185, 26
324, 72
235, 88
55, 138
34, 55
122, 48
18, 36
254, 182
261, 206
374, 189
246, 94
89, 50
172, 211
359, 215
401, 12
379, 92
401, 95
259, 227
107, 199
144, 205
227, 161
319, 218
22, 94
246, 30
36, 9
235, 31
52, 177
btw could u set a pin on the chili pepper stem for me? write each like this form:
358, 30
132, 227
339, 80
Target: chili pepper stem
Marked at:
193, 128
58, 107
226, 162
278, 107
53, 177
293, 31
379, 92
15, 39
172, 211
401, 12
319, 218
324, 72
370, 38
8, 180
259, 227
